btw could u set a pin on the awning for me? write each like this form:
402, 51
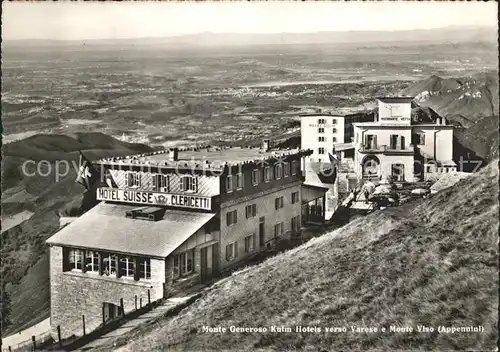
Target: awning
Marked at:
105, 227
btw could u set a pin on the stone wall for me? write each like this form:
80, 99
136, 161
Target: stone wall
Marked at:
74, 294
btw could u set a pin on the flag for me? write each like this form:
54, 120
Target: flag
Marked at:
87, 173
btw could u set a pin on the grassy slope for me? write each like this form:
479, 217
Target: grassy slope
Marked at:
23, 250
431, 263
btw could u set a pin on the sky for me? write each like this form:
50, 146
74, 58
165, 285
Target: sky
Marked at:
104, 20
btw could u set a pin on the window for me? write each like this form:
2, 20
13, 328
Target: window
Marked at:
75, 259
393, 141
133, 180
144, 268
278, 171
232, 217
370, 141
295, 223
403, 147
251, 210
183, 263
278, 230
286, 169
334, 139
278, 203
239, 181
229, 183
127, 267
295, 167
232, 251
92, 262
255, 177
295, 197
249, 243
321, 139
267, 174
321, 121
108, 264
161, 183
189, 184
321, 130
321, 150
334, 130
334, 121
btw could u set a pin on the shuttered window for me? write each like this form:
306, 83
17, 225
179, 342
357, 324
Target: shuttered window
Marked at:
161, 183
189, 184
133, 179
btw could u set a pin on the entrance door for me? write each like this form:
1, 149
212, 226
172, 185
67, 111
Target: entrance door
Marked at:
398, 172
111, 311
215, 259
262, 231
203, 264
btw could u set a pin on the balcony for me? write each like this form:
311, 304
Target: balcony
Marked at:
385, 149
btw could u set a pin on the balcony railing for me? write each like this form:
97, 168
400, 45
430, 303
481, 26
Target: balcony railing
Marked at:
367, 148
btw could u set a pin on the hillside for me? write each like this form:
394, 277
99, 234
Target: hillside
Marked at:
408, 266
24, 265
466, 100
471, 102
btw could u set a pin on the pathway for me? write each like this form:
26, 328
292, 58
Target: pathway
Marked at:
130, 325
41, 328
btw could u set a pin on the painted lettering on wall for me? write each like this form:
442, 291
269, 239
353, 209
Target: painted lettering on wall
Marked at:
153, 198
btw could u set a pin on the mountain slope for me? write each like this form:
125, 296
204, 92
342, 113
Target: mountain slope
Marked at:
407, 266
465, 99
24, 268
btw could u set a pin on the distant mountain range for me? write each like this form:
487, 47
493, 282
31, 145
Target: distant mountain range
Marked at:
438, 35
471, 102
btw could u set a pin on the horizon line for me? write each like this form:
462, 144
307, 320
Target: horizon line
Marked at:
255, 34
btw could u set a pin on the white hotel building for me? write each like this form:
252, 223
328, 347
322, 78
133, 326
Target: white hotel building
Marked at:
396, 146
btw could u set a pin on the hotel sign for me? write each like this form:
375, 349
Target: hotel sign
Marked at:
154, 198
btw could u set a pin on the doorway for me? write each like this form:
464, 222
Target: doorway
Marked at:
204, 264
111, 311
262, 231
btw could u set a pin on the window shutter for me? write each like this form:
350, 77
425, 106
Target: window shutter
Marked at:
155, 182
182, 183
195, 180
127, 175
228, 253
422, 138
276, 203
235, 249
375, 141
65, 259
138, 175
137, 263
254, 210
228, 220
235, 216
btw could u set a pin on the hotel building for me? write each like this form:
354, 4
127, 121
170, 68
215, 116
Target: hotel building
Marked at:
396, 146
168, 220
324, 134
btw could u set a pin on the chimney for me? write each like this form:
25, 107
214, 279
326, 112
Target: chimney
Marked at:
173, 154
266, 145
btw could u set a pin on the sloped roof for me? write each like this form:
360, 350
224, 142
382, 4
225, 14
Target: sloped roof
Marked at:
105, 227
